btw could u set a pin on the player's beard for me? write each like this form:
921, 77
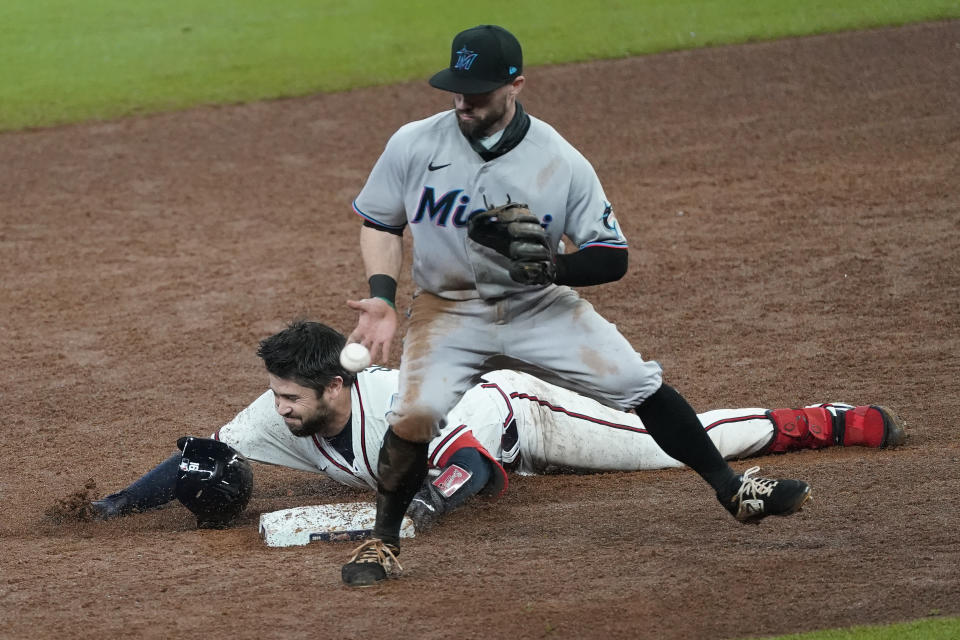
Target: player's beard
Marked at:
479, 128
317, 423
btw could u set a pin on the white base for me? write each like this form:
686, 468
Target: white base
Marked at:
329, 522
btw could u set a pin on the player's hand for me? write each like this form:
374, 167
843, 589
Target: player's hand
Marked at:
376, 327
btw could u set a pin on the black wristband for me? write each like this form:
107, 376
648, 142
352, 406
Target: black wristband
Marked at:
384, 287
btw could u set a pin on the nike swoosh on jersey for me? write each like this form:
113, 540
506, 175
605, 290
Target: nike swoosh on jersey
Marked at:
434, 167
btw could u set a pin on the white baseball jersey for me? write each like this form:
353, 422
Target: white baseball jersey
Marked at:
430, 178
518, 421
259, 433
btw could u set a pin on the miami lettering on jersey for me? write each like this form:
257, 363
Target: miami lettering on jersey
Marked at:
438, 211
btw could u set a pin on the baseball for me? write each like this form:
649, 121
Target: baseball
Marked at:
355, 357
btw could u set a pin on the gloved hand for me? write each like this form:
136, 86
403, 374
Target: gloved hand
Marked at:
513, 231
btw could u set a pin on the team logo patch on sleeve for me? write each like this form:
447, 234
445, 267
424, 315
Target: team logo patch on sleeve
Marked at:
608, 218
452, 478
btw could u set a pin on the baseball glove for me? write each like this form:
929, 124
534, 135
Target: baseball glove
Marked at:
511, 230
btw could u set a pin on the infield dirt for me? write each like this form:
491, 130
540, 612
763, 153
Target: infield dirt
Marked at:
794, 221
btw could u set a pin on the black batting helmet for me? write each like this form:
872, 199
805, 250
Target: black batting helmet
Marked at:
214, 482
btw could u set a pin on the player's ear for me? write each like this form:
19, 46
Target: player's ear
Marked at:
334, 387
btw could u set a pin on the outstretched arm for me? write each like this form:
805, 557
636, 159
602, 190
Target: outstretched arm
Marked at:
153, 489
382, 253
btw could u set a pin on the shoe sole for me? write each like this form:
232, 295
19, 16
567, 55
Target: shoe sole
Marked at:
362, 585
894, 433
800, 503
366, 581
365, 574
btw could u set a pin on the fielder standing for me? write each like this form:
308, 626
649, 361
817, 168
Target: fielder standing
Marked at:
489, 285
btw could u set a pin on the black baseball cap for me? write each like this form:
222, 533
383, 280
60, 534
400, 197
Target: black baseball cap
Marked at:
482, 59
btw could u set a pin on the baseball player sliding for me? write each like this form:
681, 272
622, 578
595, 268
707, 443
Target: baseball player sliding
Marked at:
317, 417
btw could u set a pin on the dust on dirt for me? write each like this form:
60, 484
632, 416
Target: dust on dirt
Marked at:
74, 507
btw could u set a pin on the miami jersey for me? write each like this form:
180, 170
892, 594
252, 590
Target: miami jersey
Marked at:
430, 179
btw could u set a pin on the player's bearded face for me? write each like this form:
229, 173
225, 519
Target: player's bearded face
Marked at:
308, 422
304, 411
483, 114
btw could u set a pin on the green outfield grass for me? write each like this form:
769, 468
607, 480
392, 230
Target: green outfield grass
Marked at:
66, 61
932, 629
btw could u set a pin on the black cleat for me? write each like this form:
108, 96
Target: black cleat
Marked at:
372, 562
758, 498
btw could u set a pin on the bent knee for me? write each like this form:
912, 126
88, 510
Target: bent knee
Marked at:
416, 427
